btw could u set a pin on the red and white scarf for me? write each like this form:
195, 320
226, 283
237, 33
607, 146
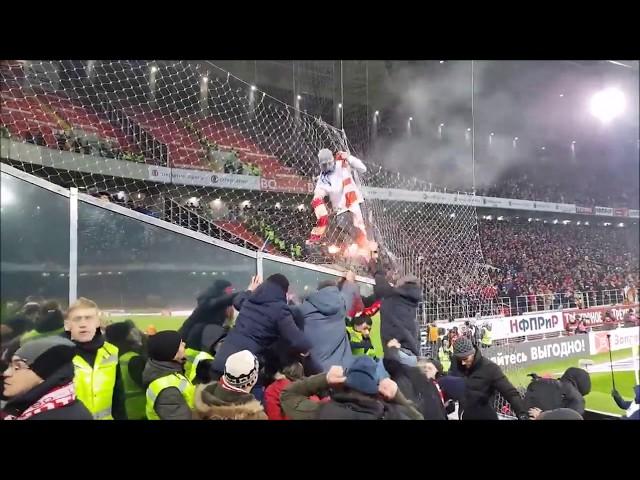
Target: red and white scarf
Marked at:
57, 398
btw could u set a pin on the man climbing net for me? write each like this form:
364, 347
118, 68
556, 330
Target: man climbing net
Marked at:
336, 181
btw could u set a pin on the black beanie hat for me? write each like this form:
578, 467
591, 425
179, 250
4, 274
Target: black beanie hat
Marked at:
279, 280
47, 355
118, 332
164, 345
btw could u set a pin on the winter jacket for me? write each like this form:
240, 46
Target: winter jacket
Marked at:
215, 401
74, 411
170, 404
398, 312
415, 386
627, 404
324, 314
210, 311
575, 384
343, 404
272, 393
264, 317
483, 380
88, 351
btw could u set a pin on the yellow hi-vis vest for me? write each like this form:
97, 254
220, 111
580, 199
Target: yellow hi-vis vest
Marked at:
177, 380
35, 335
486, 337
95, 384
356, 337
445, 360
194, 357
134, 395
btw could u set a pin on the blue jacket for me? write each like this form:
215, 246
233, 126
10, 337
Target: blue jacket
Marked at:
324, 314
264, 318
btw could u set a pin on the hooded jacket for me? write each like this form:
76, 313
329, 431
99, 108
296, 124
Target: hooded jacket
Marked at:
264, 318
398, 311
215, 402
575, 384
209, 312
170, 404
324, 314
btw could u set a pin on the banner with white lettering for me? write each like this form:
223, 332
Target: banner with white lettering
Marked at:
595, 316
523, 325
538, 351
619, 339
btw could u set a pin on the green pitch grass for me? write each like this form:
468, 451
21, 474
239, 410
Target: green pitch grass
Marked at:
161, 322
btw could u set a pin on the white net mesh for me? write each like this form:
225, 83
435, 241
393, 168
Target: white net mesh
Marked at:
201, 149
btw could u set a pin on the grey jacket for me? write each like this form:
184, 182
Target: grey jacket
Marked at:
170, 404
324, 314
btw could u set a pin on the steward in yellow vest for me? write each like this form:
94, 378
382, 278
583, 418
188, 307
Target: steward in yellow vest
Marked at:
128, 339
97, 378
169, 394
359, 333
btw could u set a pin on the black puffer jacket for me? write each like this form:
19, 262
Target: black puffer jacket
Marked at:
210, 311
74, 411
415, 386
398, 312
483, 380
575, 384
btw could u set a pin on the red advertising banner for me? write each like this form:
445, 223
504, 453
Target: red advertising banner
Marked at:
621, 212
595, 316
286, 183
587, 210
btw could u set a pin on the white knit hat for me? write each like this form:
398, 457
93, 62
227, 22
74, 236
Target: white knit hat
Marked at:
241, 369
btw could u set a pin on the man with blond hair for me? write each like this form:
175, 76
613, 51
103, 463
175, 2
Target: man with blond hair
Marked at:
97, 378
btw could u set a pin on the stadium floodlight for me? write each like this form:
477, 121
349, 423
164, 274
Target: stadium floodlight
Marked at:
607, 104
